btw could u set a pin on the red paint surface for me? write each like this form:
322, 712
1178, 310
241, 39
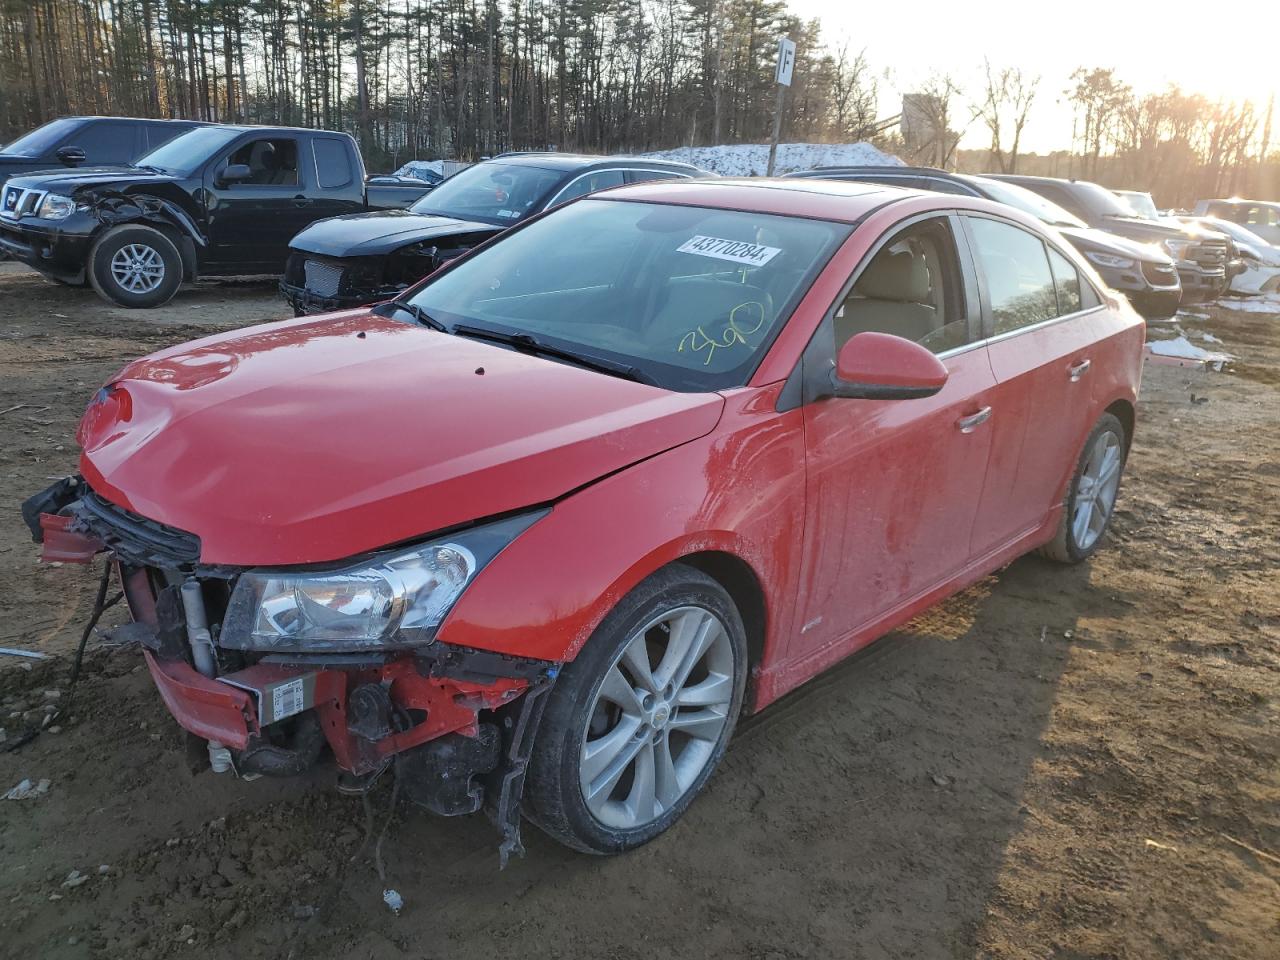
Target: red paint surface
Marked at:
299, 442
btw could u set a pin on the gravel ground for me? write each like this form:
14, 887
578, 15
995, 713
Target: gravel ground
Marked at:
1058, 763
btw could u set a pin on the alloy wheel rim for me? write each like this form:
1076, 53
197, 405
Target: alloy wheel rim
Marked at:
656, 717
1096, 489
138, 268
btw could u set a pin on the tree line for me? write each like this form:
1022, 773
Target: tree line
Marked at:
468, 78
432, 78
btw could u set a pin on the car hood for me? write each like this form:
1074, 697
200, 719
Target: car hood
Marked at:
1146, 231
371, 234
69, 181
1087, 238
318, 439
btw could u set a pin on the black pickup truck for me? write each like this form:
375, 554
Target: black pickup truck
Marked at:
216, 201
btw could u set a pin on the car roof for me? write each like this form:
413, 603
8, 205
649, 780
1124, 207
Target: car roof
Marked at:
173, 120
583, 161
841, 201
867, 169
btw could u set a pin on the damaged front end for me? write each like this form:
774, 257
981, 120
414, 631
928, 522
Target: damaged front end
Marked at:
270, 666
356, 261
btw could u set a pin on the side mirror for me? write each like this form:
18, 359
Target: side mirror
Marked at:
70, 156
235, 173
880, 366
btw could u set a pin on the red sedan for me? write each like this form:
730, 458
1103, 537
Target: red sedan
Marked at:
536, 533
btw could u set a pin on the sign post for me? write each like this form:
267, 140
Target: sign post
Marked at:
786, 64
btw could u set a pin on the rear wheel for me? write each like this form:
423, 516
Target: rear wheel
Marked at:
1091, 498
135, 266
638, 722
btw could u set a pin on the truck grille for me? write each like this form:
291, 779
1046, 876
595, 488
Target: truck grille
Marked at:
1159, 275
1209, 253
323, 279
17, 202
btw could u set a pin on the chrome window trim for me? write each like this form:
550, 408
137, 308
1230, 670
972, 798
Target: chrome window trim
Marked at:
679, 175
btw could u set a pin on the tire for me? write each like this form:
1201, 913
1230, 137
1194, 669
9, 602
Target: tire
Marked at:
1075, 539
584, 721
158, 262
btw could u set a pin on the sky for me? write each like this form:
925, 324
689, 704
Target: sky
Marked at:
1149, 44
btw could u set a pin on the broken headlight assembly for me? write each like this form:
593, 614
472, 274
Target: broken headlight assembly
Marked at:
55, 206
391, 601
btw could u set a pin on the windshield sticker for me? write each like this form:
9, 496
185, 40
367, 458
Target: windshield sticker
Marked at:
736, 331
508, 213
735, 251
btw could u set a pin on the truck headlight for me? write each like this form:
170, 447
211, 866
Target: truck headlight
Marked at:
1110, 260
55, 206
390, 601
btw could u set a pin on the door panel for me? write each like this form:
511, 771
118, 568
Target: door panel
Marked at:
1042, 358
893, 489
251, 224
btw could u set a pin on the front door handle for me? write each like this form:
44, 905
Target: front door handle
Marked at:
974, 420
301, 201
1078, 370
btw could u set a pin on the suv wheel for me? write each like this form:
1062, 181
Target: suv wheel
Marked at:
135, 266
638, 722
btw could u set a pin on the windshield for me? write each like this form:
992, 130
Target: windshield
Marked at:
186, 153
690, 297
1140, 203
499, 193
1233, 230
1027, 201
42, 139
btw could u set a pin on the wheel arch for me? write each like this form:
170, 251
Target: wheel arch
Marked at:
741, 582
1124, 411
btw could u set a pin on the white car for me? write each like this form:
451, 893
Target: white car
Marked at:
1261, 259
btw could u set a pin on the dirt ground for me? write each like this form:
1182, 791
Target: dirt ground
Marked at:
1058, 763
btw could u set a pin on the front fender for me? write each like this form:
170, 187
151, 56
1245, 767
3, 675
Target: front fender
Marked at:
739, 490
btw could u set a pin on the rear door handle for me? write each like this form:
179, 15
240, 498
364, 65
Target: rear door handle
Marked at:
974, 420
301, 201
1078, 370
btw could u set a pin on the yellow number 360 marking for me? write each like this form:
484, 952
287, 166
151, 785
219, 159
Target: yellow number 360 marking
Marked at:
698, 339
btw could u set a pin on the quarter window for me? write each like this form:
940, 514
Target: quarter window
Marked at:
333, 162
1067, 281
911, 289
1019, 284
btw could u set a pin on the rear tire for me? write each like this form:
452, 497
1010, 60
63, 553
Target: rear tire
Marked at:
135, 266
636, 725
1091, 495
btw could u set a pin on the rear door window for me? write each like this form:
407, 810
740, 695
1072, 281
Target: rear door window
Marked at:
333, 162
640, 176
106, 141
1020, 285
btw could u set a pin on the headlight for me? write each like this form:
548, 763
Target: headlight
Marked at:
55, 206
1110, 260
391, 601
1176, 248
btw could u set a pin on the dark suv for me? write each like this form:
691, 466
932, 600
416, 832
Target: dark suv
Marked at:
356, 260
1138, 270
95, 141
1203, 256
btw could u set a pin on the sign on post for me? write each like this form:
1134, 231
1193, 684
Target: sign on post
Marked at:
786, 61
782, 73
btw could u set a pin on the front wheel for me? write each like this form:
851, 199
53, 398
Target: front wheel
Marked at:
135, 266
1091, 498
638, 722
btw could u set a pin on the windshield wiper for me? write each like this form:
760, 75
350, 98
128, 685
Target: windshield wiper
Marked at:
391, 306
529, 344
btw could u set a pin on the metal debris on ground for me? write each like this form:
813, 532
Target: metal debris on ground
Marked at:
26, 790
393, 900
28, 654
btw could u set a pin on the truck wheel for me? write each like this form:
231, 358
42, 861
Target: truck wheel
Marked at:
135, 266
1091, 498
638, 721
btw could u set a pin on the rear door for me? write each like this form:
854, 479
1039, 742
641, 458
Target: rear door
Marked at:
893, 486
1041, 315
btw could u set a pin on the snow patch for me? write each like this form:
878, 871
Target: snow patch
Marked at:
415, 168
752, 159
1184, 349
1268, 304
